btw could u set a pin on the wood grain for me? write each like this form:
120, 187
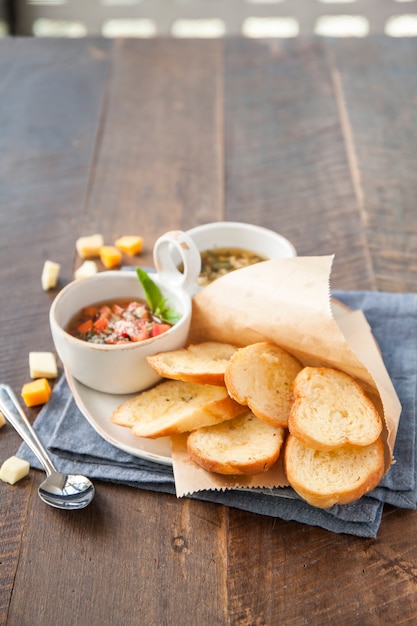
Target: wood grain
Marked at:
158, 161
46, 144
46, 149
286, 160
132, 557
310, 575
144, 176
380, 96
313, 138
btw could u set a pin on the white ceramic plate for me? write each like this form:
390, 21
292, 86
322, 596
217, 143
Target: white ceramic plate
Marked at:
97, 408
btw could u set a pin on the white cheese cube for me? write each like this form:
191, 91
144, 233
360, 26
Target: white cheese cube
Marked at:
2, 419
42, 365
14, 469
89, 246
50, 275
88, 268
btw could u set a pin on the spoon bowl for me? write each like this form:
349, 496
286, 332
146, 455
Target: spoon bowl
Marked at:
66, 491
59, 490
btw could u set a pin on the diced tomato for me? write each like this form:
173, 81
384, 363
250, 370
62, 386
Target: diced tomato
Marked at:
139, 310
100, 324
85, 327
132, 330
158, 329
138, 331
105, 311
139, 334
116, 322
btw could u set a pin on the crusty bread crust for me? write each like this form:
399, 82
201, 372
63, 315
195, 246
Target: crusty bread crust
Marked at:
261, 376
244, 445
173, 407
202, 363
237, 423
341, 476
330, 409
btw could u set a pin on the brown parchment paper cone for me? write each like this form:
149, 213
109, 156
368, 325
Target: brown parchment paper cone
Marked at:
287, 301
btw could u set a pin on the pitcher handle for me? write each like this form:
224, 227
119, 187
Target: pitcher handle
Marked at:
171, 250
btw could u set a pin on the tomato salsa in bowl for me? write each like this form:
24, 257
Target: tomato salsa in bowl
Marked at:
114, 323
103, 331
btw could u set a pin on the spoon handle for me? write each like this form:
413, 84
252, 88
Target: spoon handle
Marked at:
14, 414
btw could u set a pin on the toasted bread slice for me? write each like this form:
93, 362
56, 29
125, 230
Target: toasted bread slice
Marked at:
330, 410
261, 376
244, 445
324, 478
202, 363
173, 407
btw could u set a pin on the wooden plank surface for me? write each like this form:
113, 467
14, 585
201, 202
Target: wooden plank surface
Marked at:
159, 155
153, 165
311, 138
287, 163
291, 129
46, 146
379, 97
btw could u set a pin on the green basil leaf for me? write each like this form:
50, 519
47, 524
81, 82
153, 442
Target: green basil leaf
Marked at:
170, 316
157, 303
153, 294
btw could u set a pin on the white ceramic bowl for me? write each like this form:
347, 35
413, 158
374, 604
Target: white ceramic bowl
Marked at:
123, 369
257, 239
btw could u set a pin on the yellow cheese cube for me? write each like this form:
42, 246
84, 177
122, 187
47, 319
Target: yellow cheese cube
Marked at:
110, 256
89, 246
36, 392
88, 268
130, 244
50, 275
2, 419
42, 365
14, 469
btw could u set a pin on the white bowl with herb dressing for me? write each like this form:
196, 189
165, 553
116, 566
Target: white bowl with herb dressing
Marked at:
225, 246
122, 368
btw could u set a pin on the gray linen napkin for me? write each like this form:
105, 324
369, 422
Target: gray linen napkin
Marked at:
393, 319
76, 447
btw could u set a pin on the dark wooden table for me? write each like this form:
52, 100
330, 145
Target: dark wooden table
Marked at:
315, 139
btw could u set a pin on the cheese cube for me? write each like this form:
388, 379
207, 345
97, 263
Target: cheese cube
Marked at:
14, 469
36, 392
88, 268
50, 275
42, 365
130, 244
2, 420
110, 256
89, 246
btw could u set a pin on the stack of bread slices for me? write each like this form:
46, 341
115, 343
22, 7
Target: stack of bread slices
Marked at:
244, 407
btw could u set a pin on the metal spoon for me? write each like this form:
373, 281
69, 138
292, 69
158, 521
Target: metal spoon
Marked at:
58, 490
